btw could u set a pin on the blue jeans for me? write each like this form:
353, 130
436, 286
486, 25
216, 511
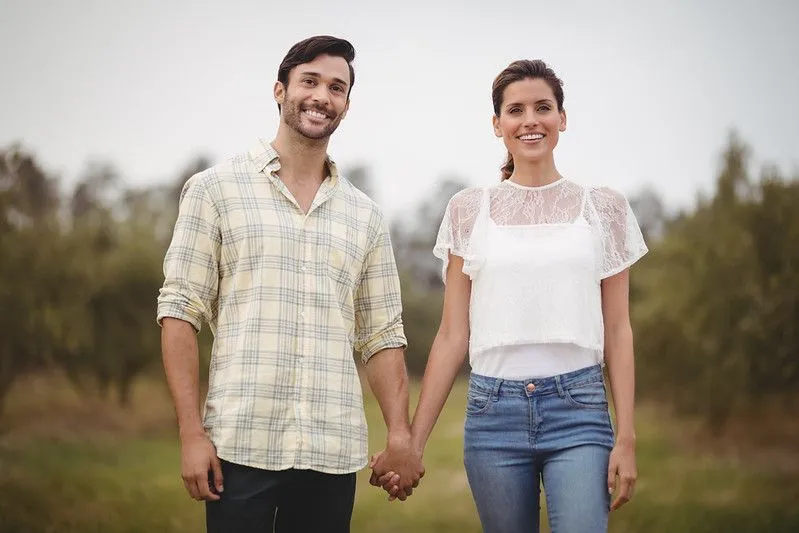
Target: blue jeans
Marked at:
553, 430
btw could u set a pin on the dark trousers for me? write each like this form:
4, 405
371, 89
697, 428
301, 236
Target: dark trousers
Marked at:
285, 501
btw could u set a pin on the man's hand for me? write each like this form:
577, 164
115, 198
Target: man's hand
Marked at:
389, 481
398, 468
198, 458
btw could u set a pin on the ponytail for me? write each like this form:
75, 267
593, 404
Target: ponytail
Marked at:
507, 168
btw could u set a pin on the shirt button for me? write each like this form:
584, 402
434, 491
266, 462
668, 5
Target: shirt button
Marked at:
304, 268
530, 387
302, 315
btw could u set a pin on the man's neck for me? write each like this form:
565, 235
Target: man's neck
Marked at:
302, 160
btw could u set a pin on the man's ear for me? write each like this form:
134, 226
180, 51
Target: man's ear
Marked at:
279, 92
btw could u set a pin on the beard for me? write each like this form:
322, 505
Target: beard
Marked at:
292, 116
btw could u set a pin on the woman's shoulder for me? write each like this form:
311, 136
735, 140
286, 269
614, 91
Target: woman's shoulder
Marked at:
604, 195
466, 199
467, 194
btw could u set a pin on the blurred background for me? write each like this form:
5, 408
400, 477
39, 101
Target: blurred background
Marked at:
688, 108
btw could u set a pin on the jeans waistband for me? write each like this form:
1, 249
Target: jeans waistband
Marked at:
548, 385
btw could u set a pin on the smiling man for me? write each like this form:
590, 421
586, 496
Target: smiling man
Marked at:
292, 268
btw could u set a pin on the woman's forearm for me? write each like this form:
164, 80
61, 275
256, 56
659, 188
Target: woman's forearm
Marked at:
446, 357
621, 371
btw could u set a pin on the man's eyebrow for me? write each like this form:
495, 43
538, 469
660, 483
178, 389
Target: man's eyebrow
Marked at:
318, 76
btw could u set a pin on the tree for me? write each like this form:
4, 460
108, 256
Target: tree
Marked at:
716, 307
35, 283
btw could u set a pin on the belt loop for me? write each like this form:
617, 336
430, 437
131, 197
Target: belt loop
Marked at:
495, 392
559, 384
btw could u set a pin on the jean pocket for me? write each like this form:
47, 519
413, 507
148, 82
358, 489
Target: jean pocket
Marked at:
477, 401
587, 395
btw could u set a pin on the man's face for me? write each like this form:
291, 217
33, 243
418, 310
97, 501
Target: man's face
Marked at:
315, 101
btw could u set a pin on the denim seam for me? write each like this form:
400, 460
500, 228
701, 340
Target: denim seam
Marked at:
580, 405
493, 396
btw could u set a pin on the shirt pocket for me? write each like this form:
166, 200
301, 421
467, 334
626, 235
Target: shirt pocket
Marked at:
344, 262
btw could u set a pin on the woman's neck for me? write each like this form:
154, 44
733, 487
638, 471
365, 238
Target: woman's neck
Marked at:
534, 173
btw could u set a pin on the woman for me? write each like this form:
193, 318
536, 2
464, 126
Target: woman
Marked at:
536, 290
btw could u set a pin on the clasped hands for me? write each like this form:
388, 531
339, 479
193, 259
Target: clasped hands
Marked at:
397, 469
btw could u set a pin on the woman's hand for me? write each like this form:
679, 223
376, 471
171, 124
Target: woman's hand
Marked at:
622, 473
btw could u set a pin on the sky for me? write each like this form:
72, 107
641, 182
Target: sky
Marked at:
652, 89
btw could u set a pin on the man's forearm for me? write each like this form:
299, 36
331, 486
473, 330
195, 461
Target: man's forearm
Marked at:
181, 358
388, 379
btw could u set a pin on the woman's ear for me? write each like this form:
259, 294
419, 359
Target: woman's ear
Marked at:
495, 123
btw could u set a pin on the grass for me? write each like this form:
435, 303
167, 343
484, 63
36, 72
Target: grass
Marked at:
77, 464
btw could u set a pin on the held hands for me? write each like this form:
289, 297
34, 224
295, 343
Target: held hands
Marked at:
398, 469
622, 466
198, 458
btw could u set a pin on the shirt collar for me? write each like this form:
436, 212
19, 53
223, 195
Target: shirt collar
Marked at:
264, 156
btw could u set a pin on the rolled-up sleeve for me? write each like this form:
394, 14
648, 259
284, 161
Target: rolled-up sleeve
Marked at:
191, 263
378, 301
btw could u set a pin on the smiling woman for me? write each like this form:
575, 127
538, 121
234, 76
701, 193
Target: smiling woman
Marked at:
528, 90
536, 287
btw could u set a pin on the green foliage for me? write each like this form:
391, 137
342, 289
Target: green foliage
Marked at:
717, 301
715, 304
77, 291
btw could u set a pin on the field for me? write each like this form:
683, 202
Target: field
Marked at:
71, 463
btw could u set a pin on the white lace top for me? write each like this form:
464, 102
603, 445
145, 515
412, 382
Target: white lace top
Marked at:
536, 256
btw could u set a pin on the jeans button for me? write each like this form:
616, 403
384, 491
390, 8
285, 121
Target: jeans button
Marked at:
530, 387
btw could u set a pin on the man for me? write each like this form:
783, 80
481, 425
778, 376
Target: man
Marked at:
292, 268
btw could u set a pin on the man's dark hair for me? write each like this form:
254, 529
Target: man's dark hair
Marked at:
309, 49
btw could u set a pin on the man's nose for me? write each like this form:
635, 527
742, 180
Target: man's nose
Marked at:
320, 94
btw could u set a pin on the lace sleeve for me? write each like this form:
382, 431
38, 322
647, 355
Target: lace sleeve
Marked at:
456, 230
621, 238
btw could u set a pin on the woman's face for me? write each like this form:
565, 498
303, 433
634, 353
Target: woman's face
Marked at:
529, 121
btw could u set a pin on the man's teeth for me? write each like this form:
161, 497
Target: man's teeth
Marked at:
532, 137
315, 114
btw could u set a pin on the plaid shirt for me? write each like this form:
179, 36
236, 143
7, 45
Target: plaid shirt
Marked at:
287, 295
